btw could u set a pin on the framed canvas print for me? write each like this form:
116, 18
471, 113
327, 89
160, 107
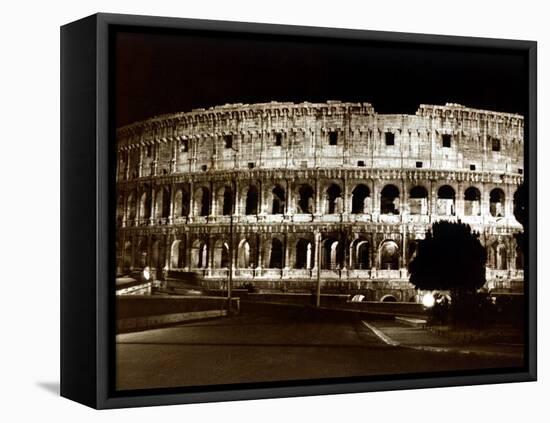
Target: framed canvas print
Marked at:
255, 211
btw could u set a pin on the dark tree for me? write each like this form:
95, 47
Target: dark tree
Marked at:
451, 258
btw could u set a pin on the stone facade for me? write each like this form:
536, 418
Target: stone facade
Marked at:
290, 180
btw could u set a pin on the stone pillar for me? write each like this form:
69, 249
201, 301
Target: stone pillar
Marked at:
376, 196
153, 207
286, 264
172, 201
459, 200
237, 199
259, 252
191, 199
174, 160
346, 206
289, 198
140, 162
485, 203
127, 165
212, 200
154, 163
404, 206
318, 210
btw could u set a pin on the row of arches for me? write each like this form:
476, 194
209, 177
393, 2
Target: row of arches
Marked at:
162, 206
202, 254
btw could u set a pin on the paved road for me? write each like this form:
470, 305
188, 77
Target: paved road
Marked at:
271, 346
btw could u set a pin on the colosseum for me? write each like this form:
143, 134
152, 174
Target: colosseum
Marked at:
284, 194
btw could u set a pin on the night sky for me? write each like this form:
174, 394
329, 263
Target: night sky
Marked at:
158, 73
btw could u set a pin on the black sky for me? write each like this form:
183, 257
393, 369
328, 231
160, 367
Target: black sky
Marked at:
159, 73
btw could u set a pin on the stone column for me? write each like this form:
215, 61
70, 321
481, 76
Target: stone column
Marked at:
259, 253
191, 213
140, 162
153, 207
318, 209
174, 161
212, 200
172, 201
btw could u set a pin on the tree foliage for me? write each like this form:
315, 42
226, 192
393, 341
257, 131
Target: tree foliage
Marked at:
451, 257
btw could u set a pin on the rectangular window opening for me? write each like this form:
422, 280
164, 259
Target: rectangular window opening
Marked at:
361, 163
495, 144
251, 165
472, 167
278, 139
390, 138
333, 138
184, 146
419, 164
228, 141
446, 140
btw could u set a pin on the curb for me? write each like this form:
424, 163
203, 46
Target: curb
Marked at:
389, 341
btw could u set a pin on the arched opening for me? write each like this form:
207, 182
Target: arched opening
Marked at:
446, 201
389, 256
227, 199
334, 199
418, 200
202, 201
362, 258
389, 201
145, 206
388, 299
303, 254
496, 202
252, 200
131, 206
181, 203
472, 202
127, 256
332, 254
163, 203
278, 203
305, 199
243, 255
501, 257
276, 256
156, 259
199, 254
221, 254
360, 199
225, 256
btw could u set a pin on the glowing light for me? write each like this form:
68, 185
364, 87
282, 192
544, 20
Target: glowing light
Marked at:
428, 300
146, 274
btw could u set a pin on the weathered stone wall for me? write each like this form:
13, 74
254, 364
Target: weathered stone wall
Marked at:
290, 180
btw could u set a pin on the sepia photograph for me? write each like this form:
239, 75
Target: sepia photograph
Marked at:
294, 209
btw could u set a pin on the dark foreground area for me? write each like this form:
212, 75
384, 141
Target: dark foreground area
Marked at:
274, 345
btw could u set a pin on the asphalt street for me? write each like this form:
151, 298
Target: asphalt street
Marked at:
272, 346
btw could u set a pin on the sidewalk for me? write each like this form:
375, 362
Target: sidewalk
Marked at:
406, 336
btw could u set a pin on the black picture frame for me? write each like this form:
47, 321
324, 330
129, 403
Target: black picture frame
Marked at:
87, 180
